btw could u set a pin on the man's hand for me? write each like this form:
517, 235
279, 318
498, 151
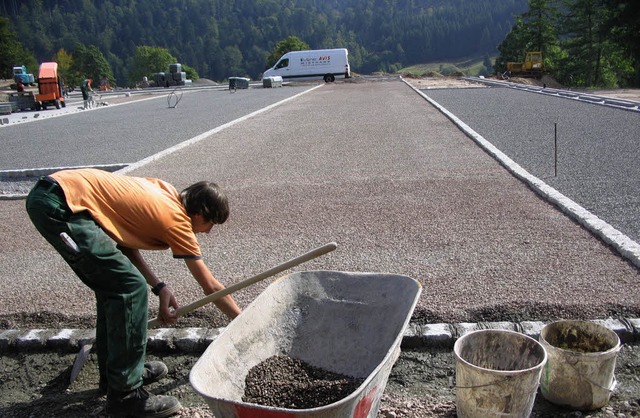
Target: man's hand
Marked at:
210, 284
167, 309
168, 303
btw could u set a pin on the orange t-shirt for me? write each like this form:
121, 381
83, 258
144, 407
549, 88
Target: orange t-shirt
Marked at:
139, 213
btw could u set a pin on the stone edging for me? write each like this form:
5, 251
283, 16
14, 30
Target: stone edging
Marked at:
196, 340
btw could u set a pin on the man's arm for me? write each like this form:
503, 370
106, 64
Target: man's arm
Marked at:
167, 300
210, 284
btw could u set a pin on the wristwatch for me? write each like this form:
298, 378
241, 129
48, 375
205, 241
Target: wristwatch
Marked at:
157, 288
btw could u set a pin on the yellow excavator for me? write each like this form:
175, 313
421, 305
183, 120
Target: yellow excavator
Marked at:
533, 66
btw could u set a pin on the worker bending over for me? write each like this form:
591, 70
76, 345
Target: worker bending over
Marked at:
110, 218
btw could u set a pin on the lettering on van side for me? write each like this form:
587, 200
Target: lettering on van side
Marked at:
316, 61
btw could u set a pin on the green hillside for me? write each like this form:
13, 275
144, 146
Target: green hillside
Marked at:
222, 38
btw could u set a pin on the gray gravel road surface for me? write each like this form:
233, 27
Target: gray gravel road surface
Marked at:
598, 154
377, 169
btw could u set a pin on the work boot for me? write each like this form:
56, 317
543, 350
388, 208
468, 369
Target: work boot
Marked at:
140, 403
153, 371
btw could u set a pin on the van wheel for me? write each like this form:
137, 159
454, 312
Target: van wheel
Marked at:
38, 106
329, 78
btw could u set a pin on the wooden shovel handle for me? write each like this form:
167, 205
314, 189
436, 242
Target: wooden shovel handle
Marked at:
183, 310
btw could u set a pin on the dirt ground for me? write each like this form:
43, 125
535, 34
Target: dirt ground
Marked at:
421, 385
441, 83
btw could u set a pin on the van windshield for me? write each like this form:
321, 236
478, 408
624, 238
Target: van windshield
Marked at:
283, 63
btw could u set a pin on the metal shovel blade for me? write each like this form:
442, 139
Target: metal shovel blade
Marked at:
81, 359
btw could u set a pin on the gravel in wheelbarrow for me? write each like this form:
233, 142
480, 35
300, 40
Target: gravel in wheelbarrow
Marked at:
285, 382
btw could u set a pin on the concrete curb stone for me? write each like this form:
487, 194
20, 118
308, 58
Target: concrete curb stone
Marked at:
531, 328
415, 336
7, 337
33, 339
196, 340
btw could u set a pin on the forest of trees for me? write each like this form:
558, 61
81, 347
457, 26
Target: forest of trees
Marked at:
222, 38
584, 42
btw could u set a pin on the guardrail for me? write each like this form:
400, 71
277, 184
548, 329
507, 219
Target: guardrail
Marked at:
566, 94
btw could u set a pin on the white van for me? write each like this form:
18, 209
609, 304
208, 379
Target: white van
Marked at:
318, 64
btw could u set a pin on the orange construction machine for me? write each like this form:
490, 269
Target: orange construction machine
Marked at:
49, 87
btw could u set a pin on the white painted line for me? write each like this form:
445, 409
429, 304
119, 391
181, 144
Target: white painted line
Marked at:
625, 246
205, 135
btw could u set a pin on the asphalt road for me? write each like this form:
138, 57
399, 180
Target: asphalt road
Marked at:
372, 166
597, 162
122, 134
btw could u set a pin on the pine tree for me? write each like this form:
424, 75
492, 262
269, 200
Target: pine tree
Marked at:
583, 41
623, 29
541, 22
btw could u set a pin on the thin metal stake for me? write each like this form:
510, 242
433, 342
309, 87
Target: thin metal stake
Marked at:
555, 151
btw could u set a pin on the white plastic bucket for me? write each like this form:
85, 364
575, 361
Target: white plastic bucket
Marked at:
497, 374
582, 361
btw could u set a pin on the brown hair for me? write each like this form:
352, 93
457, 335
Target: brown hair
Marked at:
207, 199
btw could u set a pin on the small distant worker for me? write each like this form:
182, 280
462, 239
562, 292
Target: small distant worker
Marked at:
104, 84
63, 87
20, 87
85, 88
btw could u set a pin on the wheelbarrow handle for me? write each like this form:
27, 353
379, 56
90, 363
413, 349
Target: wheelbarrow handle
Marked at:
83, 355
183, 310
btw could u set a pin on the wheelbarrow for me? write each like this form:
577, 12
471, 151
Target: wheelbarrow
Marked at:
343, 322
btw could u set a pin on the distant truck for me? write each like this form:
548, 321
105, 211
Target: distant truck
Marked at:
49, 87
20, 73
318, 64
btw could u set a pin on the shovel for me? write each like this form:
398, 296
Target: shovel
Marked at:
83, 355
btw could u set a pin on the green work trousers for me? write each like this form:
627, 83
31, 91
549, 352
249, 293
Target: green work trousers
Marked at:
120, 288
